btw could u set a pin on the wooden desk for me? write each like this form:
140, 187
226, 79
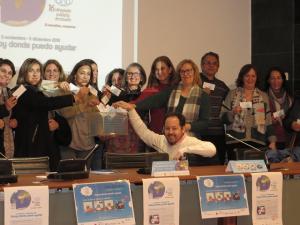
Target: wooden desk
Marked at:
135, 178
62, 209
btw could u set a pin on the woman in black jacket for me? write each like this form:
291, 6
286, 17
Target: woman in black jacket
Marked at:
33, 137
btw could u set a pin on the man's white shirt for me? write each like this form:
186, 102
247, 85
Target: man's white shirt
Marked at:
159, 142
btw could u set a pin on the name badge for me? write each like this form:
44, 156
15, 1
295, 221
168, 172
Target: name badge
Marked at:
170, 168
278, 113
210, 86
246, 166
246, 105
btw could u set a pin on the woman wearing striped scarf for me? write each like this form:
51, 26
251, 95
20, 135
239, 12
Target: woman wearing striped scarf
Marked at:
280, 102
246, 113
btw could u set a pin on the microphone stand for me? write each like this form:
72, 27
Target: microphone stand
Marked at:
251, 146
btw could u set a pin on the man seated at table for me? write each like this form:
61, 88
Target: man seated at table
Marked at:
175, 142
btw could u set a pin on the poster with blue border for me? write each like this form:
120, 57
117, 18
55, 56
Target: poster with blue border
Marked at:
108, 203
222, 196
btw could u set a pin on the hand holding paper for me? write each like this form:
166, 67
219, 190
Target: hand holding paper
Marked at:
21, 89
124, 105
81, 94
10, 103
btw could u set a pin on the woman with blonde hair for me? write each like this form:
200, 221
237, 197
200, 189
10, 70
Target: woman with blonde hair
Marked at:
186, 98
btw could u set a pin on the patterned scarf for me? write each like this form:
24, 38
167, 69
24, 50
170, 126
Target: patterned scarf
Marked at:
8, 141
277, 103
258, 110
191, 107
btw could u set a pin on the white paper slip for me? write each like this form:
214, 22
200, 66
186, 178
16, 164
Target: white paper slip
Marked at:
210, 86
298, 121
74, 88
278, 113
17, 93
104, 100
93, 90
116, 91
246, 105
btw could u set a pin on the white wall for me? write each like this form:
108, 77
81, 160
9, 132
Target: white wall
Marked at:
189, 28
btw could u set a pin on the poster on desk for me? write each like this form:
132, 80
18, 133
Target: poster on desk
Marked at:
267, 198
26, 205
222, 196
104, 203
161, 201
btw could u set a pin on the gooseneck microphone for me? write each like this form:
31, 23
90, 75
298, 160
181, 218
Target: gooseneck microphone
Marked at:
249, 145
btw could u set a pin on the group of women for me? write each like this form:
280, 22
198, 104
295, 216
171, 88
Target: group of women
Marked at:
40, 123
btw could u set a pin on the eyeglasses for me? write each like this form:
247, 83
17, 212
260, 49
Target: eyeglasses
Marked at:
188, 72
131, 74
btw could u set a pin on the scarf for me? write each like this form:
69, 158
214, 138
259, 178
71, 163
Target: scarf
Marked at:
8, 138
258, 110
191, 107
277, 103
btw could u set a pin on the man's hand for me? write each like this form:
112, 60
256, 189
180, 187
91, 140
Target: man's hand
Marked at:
10, 103
124, 105
179, 156
53, 125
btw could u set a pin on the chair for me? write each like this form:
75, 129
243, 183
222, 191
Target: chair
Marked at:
137, 160
198, 160
30, 165
249, 153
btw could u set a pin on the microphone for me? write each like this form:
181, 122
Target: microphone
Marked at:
3, 155
249, 145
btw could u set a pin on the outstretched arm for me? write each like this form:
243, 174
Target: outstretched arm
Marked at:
149, 137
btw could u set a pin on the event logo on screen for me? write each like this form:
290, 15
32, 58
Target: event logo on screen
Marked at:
64, 2
20, 12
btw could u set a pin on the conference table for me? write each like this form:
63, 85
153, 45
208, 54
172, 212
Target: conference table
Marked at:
62, 208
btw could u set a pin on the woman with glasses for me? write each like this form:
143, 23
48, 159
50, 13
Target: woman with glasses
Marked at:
187, 98
133, 80
246, 113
